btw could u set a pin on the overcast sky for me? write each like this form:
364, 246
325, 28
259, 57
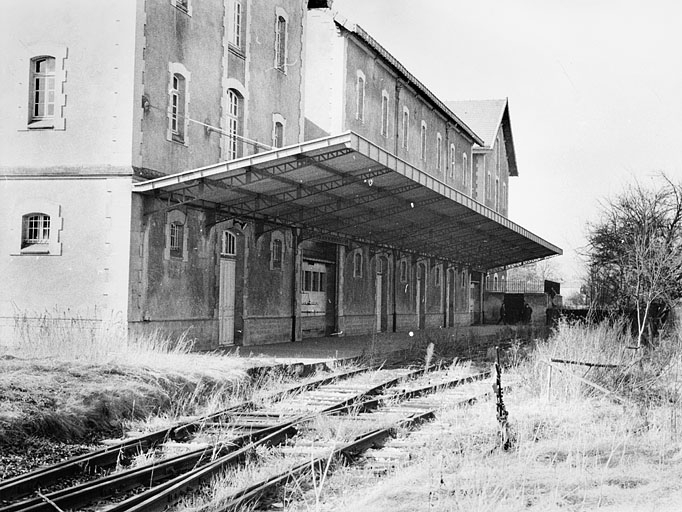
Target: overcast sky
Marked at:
594, 88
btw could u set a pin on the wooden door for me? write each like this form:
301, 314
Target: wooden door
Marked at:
226, 298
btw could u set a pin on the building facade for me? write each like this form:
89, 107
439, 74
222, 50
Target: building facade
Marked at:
177, 166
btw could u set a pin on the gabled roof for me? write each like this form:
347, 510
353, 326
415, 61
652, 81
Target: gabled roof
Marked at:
485, 117
361, 34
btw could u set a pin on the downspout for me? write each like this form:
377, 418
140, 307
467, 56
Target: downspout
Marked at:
296, 333
395, 286
398, 87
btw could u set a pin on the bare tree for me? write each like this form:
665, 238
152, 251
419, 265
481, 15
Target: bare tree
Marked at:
635, 251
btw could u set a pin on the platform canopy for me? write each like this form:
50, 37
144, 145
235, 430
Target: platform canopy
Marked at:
343, 188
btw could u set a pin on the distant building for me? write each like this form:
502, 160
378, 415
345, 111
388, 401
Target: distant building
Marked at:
248, 172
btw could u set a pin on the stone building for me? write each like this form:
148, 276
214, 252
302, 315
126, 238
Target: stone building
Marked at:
243, 171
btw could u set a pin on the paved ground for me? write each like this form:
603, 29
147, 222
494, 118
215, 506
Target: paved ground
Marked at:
343, 347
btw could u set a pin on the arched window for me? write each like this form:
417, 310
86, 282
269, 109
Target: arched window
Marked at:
403, 271
281, 43
177, 115
465, 173
436, 276
423, 141
439, 149
42, 89
176, 235
36, 230
357, 263
453, 159
178, 102
406, 128
496, 285
360, 95
384, 113
234, 124
498, 205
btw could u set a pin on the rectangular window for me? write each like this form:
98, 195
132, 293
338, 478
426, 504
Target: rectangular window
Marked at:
276, 254
176, 239
280, 43
236, 33
177, 108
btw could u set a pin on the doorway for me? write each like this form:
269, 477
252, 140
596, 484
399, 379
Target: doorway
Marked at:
381, 294
226, 299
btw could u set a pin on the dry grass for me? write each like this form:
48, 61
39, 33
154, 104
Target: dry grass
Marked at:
576, 450
73, 380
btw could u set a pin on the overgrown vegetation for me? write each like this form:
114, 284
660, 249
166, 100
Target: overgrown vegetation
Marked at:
635, 253
575, 447
74, 381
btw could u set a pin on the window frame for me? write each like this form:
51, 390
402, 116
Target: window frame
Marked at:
32, 53
237, 24
465, 173
406, 128
278, 139
184, 6
385, 111
358, 263
453, 160
281, 39
178, 104
439, 149
277, 251
50, 243
177, 234
403, 271
234, 124
176, 225
46, 78
360, 85
228, 244
422, 140
35, 232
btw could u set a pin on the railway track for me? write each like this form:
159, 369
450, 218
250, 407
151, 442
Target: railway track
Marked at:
392, 399
396, 409
242, 427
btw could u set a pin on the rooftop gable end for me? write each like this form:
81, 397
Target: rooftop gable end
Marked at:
487, 117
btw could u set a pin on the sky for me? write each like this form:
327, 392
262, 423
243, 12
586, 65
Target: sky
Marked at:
594, 88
